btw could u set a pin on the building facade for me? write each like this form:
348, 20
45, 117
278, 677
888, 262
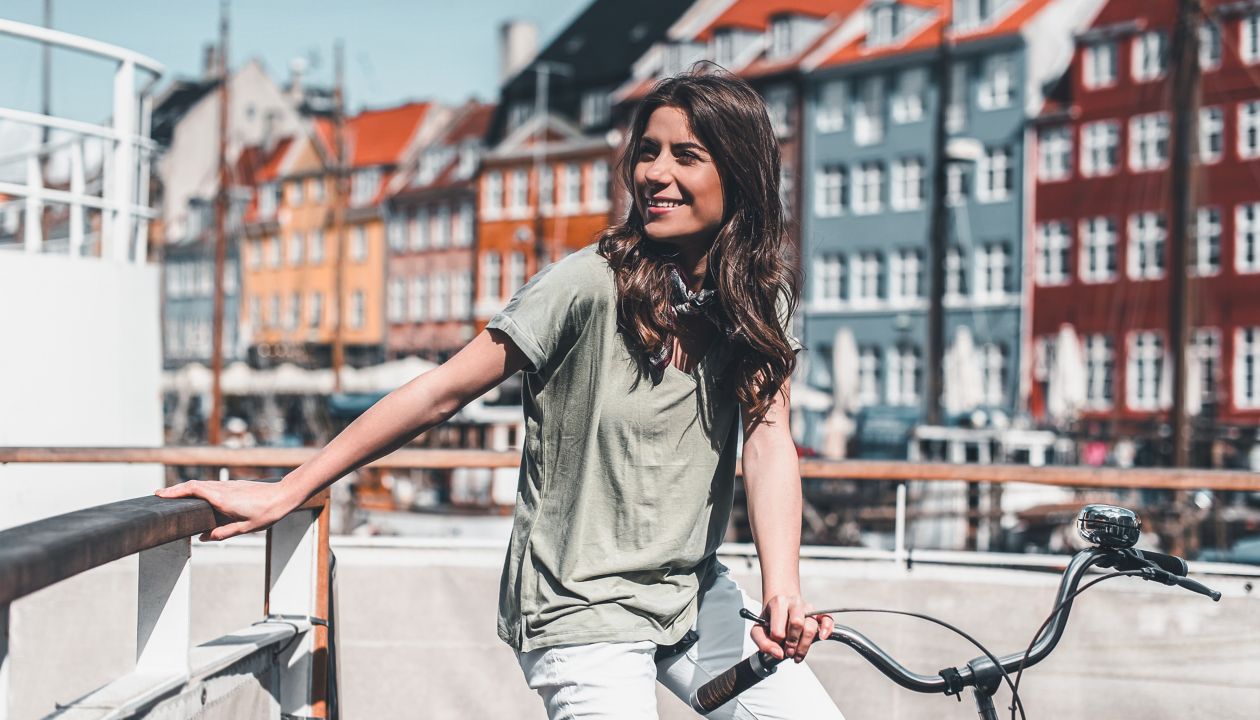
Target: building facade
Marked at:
1102, 251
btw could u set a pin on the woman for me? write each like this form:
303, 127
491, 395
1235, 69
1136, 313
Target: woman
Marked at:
643, 357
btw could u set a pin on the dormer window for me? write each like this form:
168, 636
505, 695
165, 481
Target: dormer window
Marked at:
970, 13
595, 108
883, 24
780, 36
724, 48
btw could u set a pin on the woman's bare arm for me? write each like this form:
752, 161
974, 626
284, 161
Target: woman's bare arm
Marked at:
772, 483
392, 422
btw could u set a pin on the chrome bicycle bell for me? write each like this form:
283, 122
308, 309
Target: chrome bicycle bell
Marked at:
1109, 526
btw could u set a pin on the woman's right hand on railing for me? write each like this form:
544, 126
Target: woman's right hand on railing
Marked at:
251, 505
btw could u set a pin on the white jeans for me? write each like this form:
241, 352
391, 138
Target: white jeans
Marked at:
617, 680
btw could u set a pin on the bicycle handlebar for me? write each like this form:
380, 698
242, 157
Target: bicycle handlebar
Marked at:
1165, 569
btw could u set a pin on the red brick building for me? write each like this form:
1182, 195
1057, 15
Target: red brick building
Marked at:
1102, 222
431, 231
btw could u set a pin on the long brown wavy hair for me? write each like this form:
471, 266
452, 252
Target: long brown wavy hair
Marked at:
748, 263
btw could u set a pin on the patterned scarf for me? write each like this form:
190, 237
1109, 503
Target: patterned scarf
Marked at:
685, 302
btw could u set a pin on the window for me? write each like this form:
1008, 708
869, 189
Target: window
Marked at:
316, 247
296, 194
1148, 142
255, 312
906, 277
492, 204
571, 190
315, 310
780, 37
907, 101
296, 242
724, 47
1205, 351
993, 272
829, 289
464, 225
273, 251
955, 184
358, 244
1054, 245
1249, 129
395, 298
1147, 232
904, 371
255, 254
868, 374
1100, 369
356, 309
519, 203
316, 189
883, 24
1249, 38
491, 276
956, 113
868, 188
1149, 56
993, 374
907, 184
595, 107
293, 317
597, 188
1209, 45
516, 272
396, 232
1247, 368
868, 112
1247, 238
1211, 134
461, 296
440, 299
1098, 66
364, 186
1207, 242
518, 113
786, 184
267, 200
1054, 154
779, 105
442, 226
833, 102
995, 88
955, 275
273, 311
995, 175
1144, 372
1098, 249
969, 13
1099, 141
420, 228
418, 301
830, 191
868, 279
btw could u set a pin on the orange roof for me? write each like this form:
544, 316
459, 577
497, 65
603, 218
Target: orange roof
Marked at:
473, 124
755, 14
270, 168
376, 137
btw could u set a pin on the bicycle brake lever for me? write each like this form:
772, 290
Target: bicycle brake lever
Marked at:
749, 615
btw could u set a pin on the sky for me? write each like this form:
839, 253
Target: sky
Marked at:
395, 50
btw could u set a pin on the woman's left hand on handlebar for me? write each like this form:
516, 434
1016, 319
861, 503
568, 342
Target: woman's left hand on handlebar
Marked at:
791, 628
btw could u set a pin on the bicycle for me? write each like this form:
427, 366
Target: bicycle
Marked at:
1111, 531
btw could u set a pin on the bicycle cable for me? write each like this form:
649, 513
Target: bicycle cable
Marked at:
1015, 701
1019, 671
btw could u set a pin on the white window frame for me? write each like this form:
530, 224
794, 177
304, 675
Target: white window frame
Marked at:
1246, 375
907, 104
868, 112
829, 280
830, 190
1249, 129
995, 175
1249, 38
1149, 56
461, 296
516, 272
1098, 65
1247, 238
868, 188
993, 272
1054, 153
993, 373
904, 371
358, 310
1209, 45
396, 300
293, 314
297, 241
491, 283
867, 277
1148, 142
955, 184
955, 276
597, 187
492, 195
905, 277
442, 226
315, 247
315, 310
833, 106
571, 189
959, 105
1148, 235
907, 184
1100, 372
1099, 148
418, 299
996, 89
1144, 370
420, 228
440, 297
1205, 352
869, 365
1211, 134
1208, 231
358, 244
518, 196
1054, 252
1099, 243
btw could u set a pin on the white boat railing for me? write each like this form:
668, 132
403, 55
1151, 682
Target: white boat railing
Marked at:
105, 201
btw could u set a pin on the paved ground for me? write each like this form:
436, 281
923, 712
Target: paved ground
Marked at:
417, 633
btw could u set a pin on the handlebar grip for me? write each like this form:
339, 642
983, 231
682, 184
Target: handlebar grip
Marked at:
723, 688
1167, 563
1196, 586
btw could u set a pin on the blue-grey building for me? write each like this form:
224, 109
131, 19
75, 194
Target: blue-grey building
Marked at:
871, 100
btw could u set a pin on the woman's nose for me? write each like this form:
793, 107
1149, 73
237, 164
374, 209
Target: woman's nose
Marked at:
658, 172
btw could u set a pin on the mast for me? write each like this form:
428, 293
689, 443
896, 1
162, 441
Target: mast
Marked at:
938, 230
339, 220
220, 236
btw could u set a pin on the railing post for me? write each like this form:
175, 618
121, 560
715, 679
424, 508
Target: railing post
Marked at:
4, 662
899, 528
162, 625
292, 578
120, 186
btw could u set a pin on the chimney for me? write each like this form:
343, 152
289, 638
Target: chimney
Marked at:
209, 61
297, 68
518, 44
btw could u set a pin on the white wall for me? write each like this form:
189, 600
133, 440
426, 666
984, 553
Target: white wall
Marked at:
80, 365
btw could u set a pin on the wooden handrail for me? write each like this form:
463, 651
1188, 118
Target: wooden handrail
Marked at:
411, 458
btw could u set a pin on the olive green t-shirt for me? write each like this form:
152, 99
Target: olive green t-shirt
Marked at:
626, 479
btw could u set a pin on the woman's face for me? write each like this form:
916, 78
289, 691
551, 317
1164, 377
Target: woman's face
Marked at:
677, 190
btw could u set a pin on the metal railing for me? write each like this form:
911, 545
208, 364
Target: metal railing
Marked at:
122, 200
39, 554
